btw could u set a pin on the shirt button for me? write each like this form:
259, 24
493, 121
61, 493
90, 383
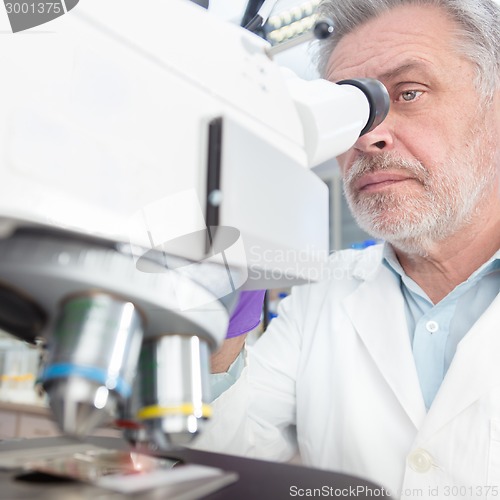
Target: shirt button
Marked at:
432, 326
420, 461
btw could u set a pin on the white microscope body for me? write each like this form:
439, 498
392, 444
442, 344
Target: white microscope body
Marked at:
154, 161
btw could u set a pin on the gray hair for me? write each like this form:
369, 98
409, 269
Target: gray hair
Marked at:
478, 23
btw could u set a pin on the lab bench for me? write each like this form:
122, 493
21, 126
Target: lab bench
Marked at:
254, 479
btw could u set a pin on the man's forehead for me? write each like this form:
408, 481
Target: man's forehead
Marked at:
386, 66
406, 68
402, 39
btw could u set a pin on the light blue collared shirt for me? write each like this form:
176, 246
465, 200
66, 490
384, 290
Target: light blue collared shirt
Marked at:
436, 329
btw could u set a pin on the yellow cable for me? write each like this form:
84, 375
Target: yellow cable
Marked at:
156, 411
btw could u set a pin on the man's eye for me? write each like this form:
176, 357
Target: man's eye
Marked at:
410, 95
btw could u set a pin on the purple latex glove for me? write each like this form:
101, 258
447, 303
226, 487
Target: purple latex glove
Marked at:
246, 315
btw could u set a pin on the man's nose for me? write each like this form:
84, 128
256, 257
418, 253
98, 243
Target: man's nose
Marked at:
379, 139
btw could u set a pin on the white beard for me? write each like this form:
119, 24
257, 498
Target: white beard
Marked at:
444, 202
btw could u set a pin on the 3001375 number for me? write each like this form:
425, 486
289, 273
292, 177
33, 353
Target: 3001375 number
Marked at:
33, 8
471, 491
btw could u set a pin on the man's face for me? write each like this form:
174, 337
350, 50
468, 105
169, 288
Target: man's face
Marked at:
427, 170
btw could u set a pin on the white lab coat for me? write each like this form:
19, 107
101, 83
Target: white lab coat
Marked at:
335, 374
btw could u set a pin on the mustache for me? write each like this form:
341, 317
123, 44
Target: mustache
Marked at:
382, 162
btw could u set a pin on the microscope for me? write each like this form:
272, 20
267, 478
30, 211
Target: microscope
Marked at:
155, 161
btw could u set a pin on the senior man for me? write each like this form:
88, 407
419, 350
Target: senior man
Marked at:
390, 369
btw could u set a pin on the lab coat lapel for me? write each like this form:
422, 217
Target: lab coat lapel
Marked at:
376, 309
475, 369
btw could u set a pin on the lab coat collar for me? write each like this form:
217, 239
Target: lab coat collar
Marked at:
368, 262
474, 371
376, 309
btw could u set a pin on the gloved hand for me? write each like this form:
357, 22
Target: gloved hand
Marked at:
245, 317
247, 313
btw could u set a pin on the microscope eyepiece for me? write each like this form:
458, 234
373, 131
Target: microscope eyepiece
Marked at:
378, 99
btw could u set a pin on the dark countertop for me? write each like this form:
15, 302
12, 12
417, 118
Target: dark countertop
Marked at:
257, 479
